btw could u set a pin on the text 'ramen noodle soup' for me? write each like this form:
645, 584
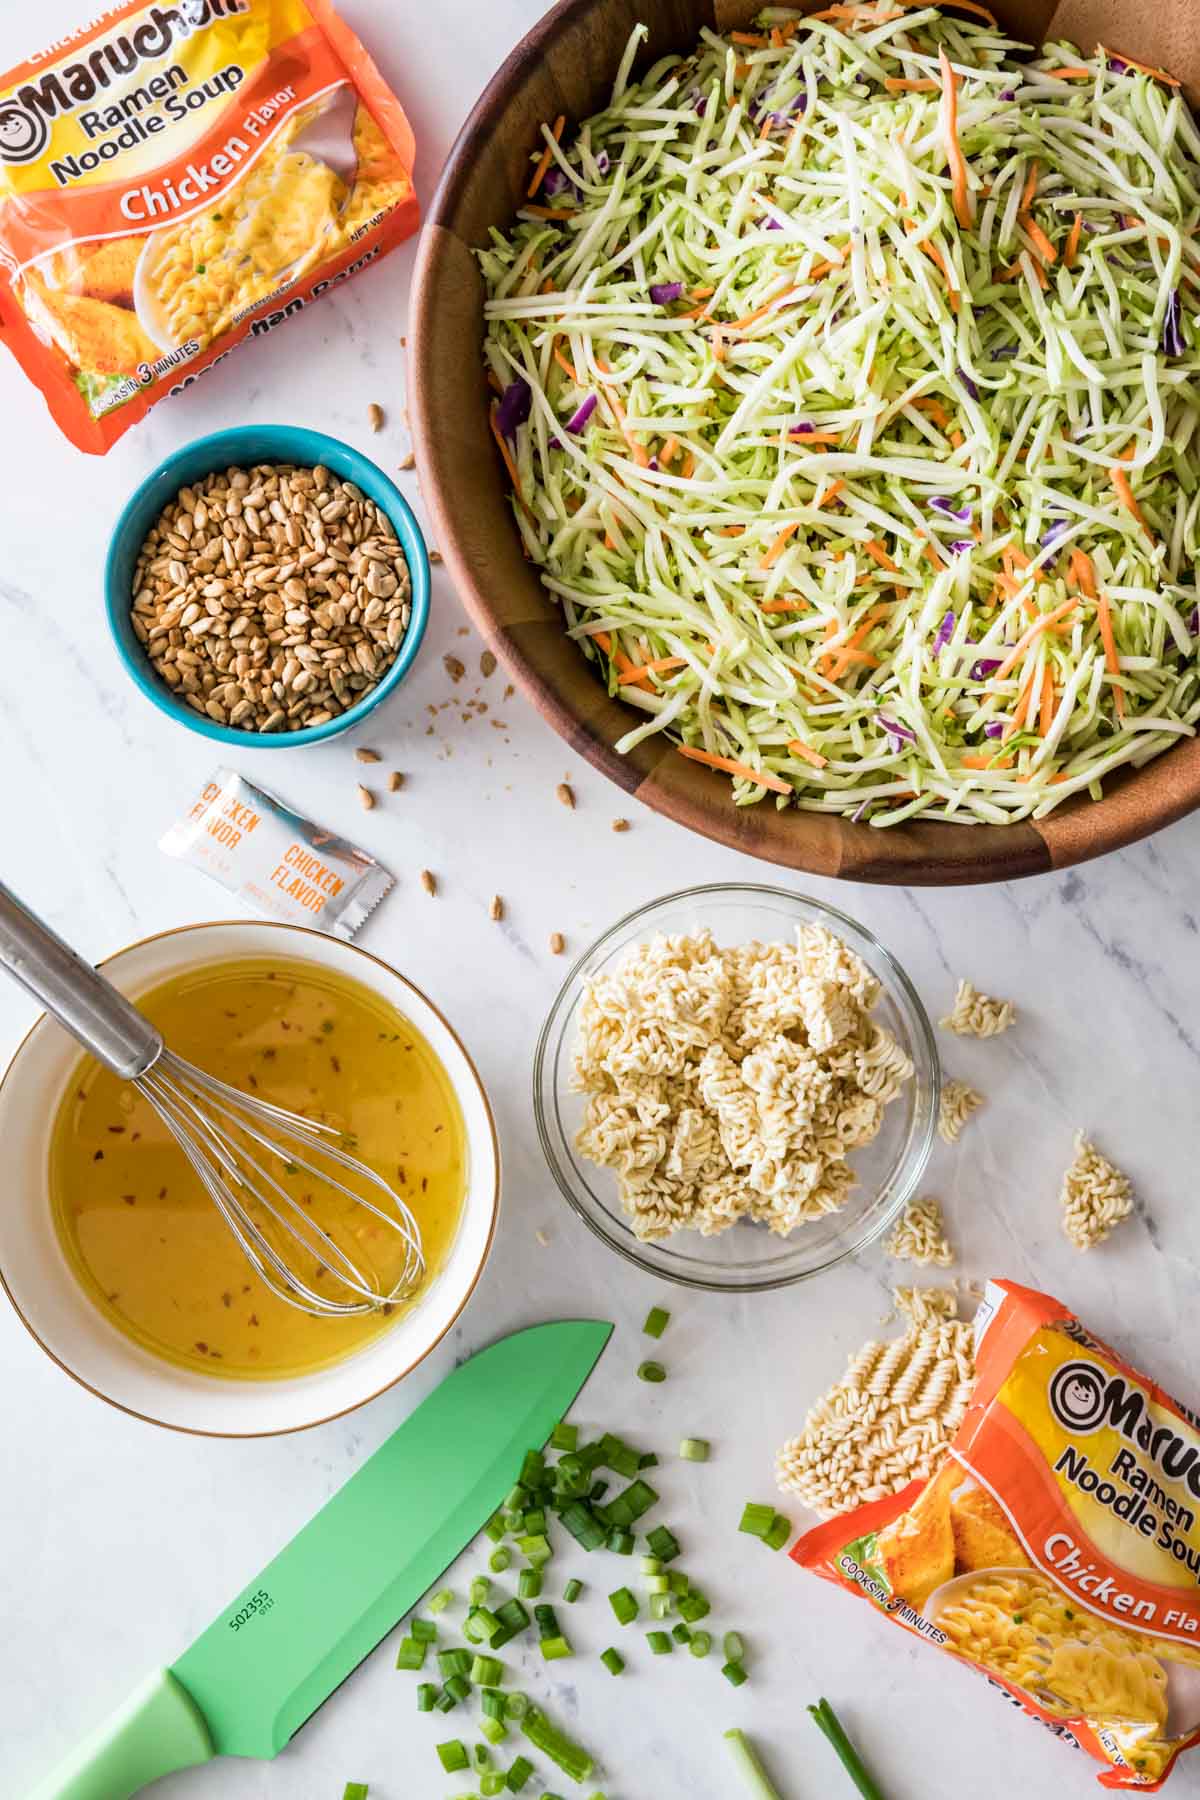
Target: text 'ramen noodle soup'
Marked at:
1056, 1546
174, 178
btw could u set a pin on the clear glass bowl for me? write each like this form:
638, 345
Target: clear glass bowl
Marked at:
748, 1256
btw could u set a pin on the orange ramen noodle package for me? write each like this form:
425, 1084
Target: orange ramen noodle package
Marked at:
175, 178
1057, 1547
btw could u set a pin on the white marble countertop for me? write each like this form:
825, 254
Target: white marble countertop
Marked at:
119, 1542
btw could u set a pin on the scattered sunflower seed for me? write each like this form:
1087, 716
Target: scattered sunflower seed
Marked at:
496, 909
543, 1238
566, 794
271, 598
395, 782
620, 824
558, 943
487, 664
366, 798
362, 754
428, 881
375, 416
435, 556
454, 667
408, 462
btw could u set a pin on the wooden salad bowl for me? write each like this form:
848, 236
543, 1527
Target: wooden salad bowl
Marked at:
566, 65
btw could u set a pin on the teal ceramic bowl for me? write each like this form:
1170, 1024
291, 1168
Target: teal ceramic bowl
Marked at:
240, 448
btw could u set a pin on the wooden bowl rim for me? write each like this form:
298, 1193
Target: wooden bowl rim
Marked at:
1077, 832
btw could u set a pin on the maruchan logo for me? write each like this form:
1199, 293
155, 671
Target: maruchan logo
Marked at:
1083, 1398
23, 135
1077, 1396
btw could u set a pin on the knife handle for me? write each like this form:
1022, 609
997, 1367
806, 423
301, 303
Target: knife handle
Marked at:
159, 1729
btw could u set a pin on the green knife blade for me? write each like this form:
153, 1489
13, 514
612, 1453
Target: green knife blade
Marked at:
308, 1619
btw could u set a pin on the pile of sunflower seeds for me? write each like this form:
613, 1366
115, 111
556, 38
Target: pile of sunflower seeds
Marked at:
271, 598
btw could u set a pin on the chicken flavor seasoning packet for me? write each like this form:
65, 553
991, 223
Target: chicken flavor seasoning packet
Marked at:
175, 178
1056, 1549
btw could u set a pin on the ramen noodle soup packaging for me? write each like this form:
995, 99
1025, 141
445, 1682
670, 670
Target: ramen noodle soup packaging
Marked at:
1056, 1548
175, 178
283, 864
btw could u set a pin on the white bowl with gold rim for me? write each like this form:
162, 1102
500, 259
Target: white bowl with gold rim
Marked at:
49, 1298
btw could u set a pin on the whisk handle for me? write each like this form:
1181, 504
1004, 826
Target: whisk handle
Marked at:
78, 996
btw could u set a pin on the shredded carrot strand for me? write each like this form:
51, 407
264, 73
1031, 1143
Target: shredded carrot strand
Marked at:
828, 493
755, 39
1072, 247
1046, 718
702, 293
805, 751
539, 174
610, 542
1030, 636
760, 312
669, 451
509, 462
642, 671
1030, 188
777, 548
1120, 481
565, 364
689, 467
875, 549
1075, 72
1141, 67
934, 408
954, 155
495, 382
898, 84
793, 603
1040, 241
731, 531
986, 761
731, 767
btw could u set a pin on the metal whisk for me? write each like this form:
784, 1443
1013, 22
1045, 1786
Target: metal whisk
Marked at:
229, 1138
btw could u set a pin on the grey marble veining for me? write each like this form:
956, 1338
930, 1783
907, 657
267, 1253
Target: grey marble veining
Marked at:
119, 1542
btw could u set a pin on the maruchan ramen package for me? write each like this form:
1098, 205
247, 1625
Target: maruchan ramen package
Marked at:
1056, 1548
175, 178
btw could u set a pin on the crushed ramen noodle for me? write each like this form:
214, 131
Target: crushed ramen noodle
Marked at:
925, 1306
957, 1103
175, 178
888, 1420
1096, 1196
725, 1084
977, 1015
920, 1236
1054, 1545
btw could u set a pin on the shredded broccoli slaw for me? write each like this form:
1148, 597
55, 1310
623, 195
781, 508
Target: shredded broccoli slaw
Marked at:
847, 391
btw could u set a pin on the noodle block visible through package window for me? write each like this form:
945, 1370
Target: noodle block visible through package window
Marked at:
1055, 1546
175, 178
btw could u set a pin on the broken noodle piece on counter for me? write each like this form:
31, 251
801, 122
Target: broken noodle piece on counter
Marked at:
977, 1015
733, 1083
1051, 1543
959, 1100
925, 1306
920, 1236
1096, 1196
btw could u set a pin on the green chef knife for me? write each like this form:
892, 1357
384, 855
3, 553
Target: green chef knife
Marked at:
300, 1627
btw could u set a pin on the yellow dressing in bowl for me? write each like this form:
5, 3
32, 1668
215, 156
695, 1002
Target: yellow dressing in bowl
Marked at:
147, 1243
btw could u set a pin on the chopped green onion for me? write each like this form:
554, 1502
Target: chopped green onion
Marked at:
547, 1621
583, 1525
734, 1648
658, 1584
535, 1547
701, 1643
459, 1686
454, 1662
598, 1489
757, 1520
479, 1590
499, 1560
631, 1503
565, 1437
694, 1449
693, 1606
492, 1783
661, 1606
555, 1648
355, 1790
651, 1371
831, 1725
618, 1456
613, 1661
529, 1586
533, 1469
570, 1757
411, 1654
480, 1626
518, 1498
621, 1542
734, 1674
493, 1702
481, 1756
446, 1701
657, 1320
572, 1478
659, 1642
648, 1460
650, 1565
513, 1617
681, 1634
441, 1600
426, 1696
663, 1544
679, 1582
624, 1605
780, 1532
533, 1521
757, 1780
572, 1591
424, 1630
487, 1671
495, 1731
495, 1527
453, 1755
519, 1774
517, 1707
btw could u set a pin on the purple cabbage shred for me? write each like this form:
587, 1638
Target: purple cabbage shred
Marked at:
968, 384
982, 669
942, 505
945, 632
801, 428
897, 731
579, 419
662, 291
1054, 531
994, 730
514, 406
958, 545
1173, 341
